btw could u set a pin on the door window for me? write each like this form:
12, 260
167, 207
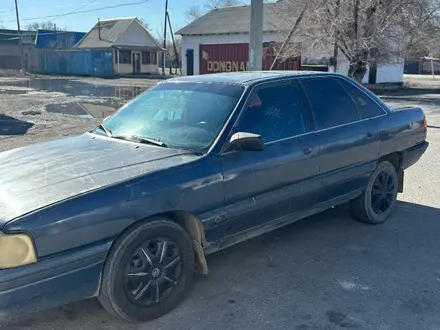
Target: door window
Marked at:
275, 113
330, 103
367, 107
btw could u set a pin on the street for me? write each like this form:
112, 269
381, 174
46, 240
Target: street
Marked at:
324, 272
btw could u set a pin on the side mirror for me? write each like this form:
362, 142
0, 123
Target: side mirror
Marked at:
246, 141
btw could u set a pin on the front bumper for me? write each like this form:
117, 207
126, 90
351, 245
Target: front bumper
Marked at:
412, 155
52, 282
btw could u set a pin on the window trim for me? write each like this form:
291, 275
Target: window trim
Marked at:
386, 113
152, 54
144, 53
118, 58
367, 92
311, 108
357, 88
265, 84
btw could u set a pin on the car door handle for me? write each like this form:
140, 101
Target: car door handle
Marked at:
369, 135
306, 151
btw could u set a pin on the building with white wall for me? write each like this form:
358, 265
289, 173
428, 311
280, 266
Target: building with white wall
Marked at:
227, 28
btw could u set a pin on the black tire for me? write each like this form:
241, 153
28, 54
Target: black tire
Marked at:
134, 259
365, 208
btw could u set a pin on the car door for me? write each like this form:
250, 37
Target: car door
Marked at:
267, 185
348, 142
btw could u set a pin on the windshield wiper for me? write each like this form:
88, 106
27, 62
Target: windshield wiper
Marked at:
106, 130
139, 139
150, 141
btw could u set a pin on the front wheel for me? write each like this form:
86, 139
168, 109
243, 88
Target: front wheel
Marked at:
148, 271
379, 198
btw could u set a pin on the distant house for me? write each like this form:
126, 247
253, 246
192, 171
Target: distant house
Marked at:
134, 49
10, 55
48, 40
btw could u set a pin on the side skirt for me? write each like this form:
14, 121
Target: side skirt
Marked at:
224, 243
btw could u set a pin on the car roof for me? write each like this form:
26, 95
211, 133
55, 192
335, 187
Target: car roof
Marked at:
248, 77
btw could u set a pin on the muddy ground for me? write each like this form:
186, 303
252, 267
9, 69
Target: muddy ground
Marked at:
325, 272
34, 110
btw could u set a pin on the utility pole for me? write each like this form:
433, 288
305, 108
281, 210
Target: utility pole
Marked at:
336, 46
164, 37
176, 54
256, 36
20, 37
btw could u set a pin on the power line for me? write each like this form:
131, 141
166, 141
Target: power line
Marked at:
82, 11
81, 7
27, 32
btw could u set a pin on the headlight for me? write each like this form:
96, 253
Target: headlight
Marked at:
16, 250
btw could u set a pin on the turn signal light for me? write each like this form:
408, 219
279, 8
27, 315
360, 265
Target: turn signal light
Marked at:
425, 122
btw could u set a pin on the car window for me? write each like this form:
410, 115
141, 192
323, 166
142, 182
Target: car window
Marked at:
181, 115
275, 113
367, 107
330, 103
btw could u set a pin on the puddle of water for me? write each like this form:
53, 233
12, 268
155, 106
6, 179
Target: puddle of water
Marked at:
13, 91
83, 110
74, 88
107, 98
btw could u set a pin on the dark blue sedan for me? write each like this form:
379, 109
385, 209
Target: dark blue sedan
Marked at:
128, 211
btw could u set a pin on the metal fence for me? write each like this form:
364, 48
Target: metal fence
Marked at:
79, 62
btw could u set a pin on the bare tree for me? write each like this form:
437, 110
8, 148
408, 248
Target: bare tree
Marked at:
144, 22
48, 25
366, 32
172, 52
195, 11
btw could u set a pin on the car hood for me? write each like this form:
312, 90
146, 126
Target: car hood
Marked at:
42, 174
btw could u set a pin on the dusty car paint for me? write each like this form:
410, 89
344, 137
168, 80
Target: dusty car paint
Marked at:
128, 183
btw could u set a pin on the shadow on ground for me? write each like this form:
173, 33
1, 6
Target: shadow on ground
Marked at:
325, 272
413, 91
13, 126
413, 101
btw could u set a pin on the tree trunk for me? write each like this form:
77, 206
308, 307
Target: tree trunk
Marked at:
372, 65
357, 69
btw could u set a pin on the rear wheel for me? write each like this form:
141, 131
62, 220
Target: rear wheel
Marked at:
148, 271
379, 198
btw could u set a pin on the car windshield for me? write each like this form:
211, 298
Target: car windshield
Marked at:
182, 115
